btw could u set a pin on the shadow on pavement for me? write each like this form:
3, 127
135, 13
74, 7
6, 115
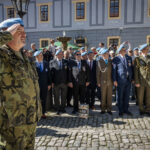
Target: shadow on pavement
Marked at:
48, 132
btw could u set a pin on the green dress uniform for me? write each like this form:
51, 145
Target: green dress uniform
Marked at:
20, 107
104, 78
142, 77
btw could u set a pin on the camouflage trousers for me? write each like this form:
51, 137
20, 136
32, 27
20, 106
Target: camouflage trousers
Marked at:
19, 137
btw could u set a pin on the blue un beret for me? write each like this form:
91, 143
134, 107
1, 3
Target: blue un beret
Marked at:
37, 53
143, 46
103, 51
82, 48
98, 49
58, 51
120, 48
90, 52
76, 52
84, 53
136, 48
9, 22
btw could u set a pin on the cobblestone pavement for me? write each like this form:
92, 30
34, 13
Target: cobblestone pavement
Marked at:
98, 132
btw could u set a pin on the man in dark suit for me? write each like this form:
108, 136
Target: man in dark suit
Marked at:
90, 91
43, 71
59, 70
122, 78
79, 79
68, 57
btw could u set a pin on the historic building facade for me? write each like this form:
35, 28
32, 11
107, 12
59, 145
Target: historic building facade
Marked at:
88, 22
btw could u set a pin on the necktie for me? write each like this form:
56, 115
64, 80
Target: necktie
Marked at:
41, 67
90, 64
79, 65
60, 64
106, 61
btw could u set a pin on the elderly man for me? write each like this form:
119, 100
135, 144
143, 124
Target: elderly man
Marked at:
43, 71
78, 80
20, 107
33, 47
104, 80
122, 78
142, 78
59, 70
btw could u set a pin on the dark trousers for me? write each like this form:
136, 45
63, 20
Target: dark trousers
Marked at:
69, 95
43, 96
90, 95
123, 91
60, 93
49, 102
78, 95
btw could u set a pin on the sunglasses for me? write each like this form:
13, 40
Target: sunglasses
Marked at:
78, 54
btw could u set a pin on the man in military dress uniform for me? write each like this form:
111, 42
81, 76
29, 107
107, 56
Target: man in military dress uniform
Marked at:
142, 78
104, 80
20, 107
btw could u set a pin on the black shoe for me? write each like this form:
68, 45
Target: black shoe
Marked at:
74, 112
148, 113
120, 114
58, 112
102, 112
142, 113
63, 111
128, 113
109, 112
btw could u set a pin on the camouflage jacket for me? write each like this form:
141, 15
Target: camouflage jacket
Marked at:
142, 70
5, 37
19, 90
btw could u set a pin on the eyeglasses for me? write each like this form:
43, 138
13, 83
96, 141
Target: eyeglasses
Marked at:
78, 54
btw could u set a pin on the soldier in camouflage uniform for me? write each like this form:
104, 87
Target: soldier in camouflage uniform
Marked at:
20, 107
142, 79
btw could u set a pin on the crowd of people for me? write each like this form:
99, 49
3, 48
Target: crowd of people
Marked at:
85, 74
28, 76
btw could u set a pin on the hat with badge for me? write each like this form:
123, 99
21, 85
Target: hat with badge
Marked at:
9, 22
136, 48
143, 46
120, 47
98, 49
58, 51
84, 53
37, 53
90, 52
76, 52
82, 48
103, 51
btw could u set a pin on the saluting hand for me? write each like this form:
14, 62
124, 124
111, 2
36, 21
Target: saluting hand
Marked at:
13, 29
